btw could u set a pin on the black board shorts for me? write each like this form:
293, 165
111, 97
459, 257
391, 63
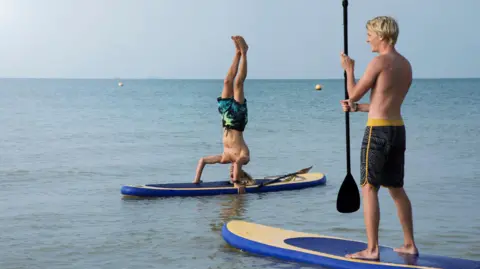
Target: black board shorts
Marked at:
382, 159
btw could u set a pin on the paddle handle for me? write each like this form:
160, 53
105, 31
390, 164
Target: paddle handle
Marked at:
345, 50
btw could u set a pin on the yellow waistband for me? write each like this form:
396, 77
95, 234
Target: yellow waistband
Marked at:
384, 122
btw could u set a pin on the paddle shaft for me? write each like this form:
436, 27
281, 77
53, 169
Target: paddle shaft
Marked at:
277, 179
345, 50
298, 172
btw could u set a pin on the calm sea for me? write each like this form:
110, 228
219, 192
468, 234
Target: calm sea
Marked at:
67, 146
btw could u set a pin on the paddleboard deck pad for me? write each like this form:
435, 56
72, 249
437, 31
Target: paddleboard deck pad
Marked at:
299, 181
326, 251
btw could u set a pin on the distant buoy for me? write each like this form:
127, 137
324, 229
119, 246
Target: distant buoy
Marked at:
120, 84
318, 87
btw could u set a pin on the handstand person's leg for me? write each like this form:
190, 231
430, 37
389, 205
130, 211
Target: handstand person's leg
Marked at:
242, 72
227, 91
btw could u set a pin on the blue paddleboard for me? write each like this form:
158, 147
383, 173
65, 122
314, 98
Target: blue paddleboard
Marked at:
326, 251
299, 181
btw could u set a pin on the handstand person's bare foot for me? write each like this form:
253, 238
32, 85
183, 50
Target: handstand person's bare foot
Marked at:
237, 45
407, 249
243, 44
365, 255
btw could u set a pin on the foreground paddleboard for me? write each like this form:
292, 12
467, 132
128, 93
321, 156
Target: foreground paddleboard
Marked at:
328, 252
300, 181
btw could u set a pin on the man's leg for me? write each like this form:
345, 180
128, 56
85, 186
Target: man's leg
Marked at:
242, 72
371, 212
395, 174
227, 91
404, 211
372, 160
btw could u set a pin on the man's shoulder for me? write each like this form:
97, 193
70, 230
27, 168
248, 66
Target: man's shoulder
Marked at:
403, 62
380, 61
376, 64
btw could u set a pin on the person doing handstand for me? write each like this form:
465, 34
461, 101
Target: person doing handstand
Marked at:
232, 107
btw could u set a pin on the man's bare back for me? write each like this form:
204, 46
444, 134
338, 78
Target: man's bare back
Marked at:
391, 86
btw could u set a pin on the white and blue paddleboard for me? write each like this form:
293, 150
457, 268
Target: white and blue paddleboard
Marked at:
300, 181
326, 251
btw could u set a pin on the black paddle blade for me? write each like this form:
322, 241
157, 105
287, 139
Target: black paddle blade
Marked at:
348, 199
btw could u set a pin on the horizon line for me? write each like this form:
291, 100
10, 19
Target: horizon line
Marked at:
160, 78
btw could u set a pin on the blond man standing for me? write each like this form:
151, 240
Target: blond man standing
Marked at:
389, 75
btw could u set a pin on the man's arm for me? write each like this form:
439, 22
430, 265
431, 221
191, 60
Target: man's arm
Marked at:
206, 160
363, 107
357, 90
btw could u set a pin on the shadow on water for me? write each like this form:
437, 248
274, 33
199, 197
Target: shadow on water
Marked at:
233, 207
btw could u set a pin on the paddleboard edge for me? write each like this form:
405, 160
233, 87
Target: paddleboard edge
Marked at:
150, 190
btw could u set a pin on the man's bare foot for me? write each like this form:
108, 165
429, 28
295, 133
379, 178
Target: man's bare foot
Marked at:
243, 44
407, 249
364, 255
237, 45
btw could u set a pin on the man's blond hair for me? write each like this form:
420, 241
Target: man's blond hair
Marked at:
385, 27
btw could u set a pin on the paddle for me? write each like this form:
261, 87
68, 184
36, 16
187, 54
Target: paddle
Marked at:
301, 171
348, 199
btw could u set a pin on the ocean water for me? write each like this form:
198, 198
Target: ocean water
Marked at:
67, 146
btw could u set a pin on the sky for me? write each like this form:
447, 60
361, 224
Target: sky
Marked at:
190, 39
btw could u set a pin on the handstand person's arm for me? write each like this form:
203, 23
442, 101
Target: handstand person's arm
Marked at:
202, 162
237, 168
